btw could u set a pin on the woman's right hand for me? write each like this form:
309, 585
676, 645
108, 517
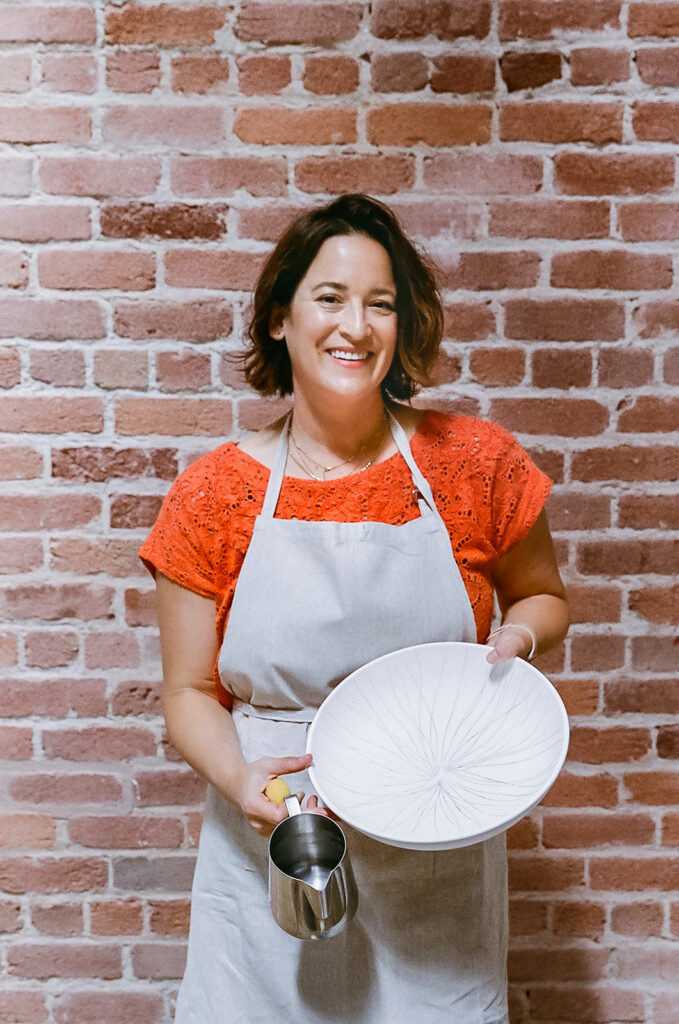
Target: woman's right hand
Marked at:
262, 814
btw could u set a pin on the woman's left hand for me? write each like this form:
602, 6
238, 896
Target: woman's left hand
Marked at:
510, 643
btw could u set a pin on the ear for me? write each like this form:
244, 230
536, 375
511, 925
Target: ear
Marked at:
276, 328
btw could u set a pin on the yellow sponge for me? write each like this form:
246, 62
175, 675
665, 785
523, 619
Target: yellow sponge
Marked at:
277, 790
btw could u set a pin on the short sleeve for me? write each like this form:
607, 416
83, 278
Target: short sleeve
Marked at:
520, 490
181, 544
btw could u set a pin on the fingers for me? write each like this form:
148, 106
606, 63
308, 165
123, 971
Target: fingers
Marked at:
286, 765
504, 648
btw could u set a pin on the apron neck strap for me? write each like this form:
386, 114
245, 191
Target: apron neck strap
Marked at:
273, 488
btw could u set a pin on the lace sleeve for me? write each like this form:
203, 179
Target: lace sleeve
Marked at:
519, 493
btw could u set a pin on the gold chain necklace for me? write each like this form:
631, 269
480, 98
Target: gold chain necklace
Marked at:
329, 469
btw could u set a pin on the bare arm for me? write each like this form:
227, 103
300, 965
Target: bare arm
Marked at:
530, 592
199, 726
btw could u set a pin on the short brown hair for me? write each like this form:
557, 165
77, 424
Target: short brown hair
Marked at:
266, 362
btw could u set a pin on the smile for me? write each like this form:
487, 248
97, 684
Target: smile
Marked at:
337, 353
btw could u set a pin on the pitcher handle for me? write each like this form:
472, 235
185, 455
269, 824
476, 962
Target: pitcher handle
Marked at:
292, 805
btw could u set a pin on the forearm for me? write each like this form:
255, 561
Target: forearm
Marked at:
203, 732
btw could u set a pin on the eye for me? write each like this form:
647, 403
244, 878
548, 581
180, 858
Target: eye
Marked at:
383, 305
329, 300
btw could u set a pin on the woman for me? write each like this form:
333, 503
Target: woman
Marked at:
347, 320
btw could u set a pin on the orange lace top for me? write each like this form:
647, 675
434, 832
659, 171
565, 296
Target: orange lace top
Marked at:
486, 487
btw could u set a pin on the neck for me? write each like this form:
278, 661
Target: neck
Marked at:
339, 430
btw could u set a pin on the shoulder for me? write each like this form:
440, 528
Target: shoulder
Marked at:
215, 478
450, 431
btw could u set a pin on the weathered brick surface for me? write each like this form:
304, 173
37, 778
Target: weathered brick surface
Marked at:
152, 152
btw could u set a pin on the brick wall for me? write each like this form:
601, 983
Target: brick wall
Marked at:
149, 153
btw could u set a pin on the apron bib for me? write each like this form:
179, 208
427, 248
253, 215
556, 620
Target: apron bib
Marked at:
313, 602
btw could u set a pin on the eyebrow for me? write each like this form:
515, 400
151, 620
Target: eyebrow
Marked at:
342, 288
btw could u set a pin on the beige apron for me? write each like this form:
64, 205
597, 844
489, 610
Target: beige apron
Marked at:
314, 601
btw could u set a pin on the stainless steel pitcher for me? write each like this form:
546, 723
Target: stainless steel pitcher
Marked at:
312, 889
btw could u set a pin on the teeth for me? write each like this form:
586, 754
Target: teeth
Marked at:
339, 354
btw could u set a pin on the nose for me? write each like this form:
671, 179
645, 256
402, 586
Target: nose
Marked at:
353, 324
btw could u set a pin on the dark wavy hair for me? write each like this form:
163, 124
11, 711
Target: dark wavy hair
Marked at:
265, 361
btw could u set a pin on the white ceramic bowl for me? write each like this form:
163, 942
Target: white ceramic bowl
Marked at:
430, 748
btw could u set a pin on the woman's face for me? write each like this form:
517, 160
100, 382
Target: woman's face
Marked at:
340, 327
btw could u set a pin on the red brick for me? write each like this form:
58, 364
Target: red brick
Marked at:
183, 371
10, 917
618, 556
495, 367
650, 414
648, 512
13, 269
197, 127
523, 836
140, 607
664, 1008
330, 76
527, 917
603, 746
96, 269
83, 555
263, 75
42, 222
399, 72
60, 367
298, 23
561, 368
113, 1007
171, 787
653, 319
53, 320
572, 790
599, 653
49, 602
163, 24
589, 1005
156, 960
543, 19
545, 873
573, 511
72, 24
58, 919
561, 122
19, 555
463, 74
611, 269
71, 788
667, 742
648, 18
131, 511
549, 218
480, 175
133, 697
53, 874
640, 222
115, 917
112, 650
410, 19
69, 72
44, 124
585, 920
596, 65
15, 72
658, 65
656, 604
529, 70
209, 417
175, 220
52, 697
671, 366
406, 124
569, 417
267, 223
641, 920
201, 75
99, 176
650, 696
626, 462
102, 464
201, 268
564, 319
30, 831
219, 176
9, 650
652, 788
62, 960
170, 917
121, 368
625, 367
126, 832
456, 218
597, 174
260, 412
283, 125
19, 462
15, 175
381, 174
655, 653
670, 837
641, 963
594, 603
656, 121
51, 649
10, 367
492, 270
23, 1005
468, 321
51, 415
206, 320
571, 964
132, 71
